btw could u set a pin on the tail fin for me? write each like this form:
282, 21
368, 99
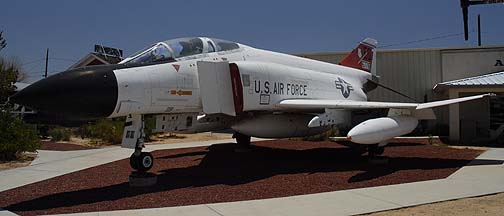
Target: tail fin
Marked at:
362, 57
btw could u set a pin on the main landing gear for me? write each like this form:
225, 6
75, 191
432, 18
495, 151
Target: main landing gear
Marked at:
374, 154
243, 142
374, 150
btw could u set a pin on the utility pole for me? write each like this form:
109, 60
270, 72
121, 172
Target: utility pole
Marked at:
479, 31
46, 62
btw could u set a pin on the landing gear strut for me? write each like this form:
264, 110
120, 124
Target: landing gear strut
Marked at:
133, 137
243, 142
375, 152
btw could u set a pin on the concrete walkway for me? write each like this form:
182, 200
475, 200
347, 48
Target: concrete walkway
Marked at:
483, 176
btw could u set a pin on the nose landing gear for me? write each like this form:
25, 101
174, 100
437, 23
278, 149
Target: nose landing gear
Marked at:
141, 162
133, 137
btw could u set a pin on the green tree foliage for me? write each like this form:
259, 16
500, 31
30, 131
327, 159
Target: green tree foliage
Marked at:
111, 130
8, 76
15, 136
107, 130
59, 134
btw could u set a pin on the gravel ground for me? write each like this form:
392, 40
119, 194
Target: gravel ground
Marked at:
55, 146
217, 174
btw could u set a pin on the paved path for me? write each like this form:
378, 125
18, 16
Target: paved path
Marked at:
483, 176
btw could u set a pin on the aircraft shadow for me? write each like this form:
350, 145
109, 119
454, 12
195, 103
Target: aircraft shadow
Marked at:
221, 165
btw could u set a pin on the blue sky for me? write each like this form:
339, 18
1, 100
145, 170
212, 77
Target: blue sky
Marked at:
70, 28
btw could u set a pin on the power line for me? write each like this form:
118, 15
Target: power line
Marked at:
423, 40
31, 62
65, 59
53, 58
34, 66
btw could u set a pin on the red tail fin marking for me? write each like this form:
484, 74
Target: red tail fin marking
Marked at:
361, 57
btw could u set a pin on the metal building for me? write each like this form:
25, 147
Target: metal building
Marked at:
436, 73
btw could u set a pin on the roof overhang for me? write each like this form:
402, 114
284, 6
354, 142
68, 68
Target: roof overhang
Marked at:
492, 80
88, 59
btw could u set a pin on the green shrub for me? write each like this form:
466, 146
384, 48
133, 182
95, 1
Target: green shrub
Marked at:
59, 134
150, 125
106, 130
16, 136
111, 130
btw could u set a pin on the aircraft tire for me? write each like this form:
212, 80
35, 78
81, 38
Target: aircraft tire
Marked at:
133, 162
145, 161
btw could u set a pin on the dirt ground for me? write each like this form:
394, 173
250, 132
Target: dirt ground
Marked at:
156, 139
24, 160
485, 205
166, 138
179, 138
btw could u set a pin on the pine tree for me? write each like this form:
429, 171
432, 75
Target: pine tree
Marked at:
16, 137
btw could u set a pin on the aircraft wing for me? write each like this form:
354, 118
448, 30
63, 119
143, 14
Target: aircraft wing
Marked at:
349, 104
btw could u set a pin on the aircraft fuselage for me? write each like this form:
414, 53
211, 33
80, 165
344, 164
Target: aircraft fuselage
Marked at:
174, 88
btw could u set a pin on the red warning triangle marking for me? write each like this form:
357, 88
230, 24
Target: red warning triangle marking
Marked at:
177, 67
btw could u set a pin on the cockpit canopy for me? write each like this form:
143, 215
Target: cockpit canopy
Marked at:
173, 50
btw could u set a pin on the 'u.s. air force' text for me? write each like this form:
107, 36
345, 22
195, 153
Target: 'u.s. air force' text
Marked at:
280, 88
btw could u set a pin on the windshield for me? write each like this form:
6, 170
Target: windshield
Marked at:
185, 46
168, 50
223, 45
157, 53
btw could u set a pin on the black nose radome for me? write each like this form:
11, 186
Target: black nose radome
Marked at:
80, 94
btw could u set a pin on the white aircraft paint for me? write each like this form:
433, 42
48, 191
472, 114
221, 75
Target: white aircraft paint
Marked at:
270, 93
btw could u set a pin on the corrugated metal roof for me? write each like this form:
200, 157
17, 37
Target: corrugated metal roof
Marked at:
492, 79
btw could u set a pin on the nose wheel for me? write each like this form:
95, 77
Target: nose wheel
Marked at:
141, 162
133, 137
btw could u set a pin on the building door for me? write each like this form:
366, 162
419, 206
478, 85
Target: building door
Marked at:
474, 120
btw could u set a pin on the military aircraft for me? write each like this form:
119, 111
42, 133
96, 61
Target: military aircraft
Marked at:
200, 84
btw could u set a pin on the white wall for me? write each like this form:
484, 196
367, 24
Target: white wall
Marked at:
463, 63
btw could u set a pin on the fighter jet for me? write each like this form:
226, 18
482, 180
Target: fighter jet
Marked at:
201, 84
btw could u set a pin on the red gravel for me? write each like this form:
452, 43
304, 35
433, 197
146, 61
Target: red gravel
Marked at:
218, 174
54, 146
